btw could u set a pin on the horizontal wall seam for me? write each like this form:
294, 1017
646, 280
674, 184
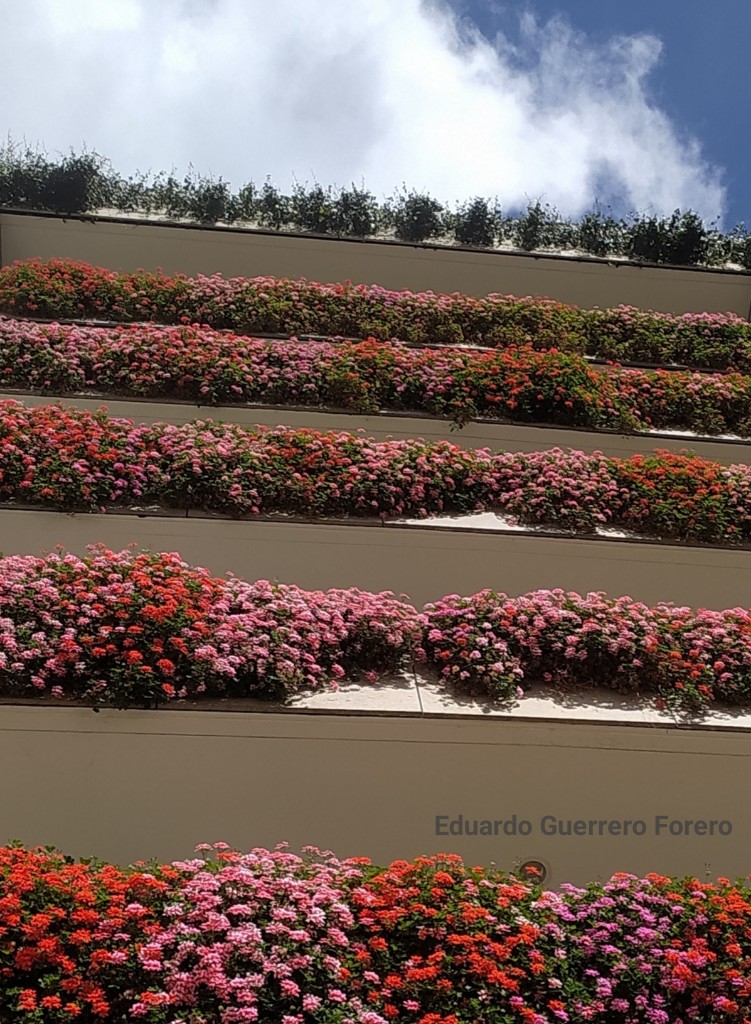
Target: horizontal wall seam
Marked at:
526, 745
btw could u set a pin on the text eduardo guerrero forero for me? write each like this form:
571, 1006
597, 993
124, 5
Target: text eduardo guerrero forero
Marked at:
663, 825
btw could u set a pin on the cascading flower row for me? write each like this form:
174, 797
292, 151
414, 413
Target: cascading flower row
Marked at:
208, 366
70, 459
133, 628
65, 289
229, 937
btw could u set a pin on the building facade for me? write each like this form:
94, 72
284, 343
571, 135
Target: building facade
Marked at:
579, 783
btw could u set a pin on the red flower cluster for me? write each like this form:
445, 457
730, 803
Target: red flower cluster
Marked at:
442, 945
664, 485
133, 628
70, 933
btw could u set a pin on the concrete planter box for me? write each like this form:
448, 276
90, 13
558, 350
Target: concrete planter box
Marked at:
124, 785
423, 562
129, 245
478, 434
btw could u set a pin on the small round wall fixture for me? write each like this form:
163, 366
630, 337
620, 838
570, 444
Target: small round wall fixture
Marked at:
533, 871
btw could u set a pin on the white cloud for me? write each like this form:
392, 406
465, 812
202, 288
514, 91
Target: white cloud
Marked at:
385, 91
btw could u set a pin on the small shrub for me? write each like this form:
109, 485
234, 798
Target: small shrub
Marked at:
246, 203
207, 200
355, 213
599, 234
131, 195
312, 209
541, 227
417, 217
741, 247
273, 208
169, 196
477, 223
682, 239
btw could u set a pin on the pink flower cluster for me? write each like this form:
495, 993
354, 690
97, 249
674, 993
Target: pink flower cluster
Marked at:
569, 488
714, 340
214, 367
260, 936
68, 458
268, 937
649, 950
127, 628
494, 644
704, 403
208, 367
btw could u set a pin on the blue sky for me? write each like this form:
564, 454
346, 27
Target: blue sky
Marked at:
703, 79
639, 105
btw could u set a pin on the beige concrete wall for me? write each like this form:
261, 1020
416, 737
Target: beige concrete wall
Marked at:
130, 246
473, 435
138, 784
424, 563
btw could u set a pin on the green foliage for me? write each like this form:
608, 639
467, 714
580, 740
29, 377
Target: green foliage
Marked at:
477, 222
209, 201
73, 184
681, 239
416, 217
356, 213
739, 246
599, 234
273, 208
542, 227
86, 183
312, 209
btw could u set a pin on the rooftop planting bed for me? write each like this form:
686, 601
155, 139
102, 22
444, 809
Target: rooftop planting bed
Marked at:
87, 183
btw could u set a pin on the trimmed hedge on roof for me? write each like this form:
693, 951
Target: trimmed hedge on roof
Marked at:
87, 183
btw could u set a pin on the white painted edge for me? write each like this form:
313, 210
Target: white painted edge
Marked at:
419, 693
